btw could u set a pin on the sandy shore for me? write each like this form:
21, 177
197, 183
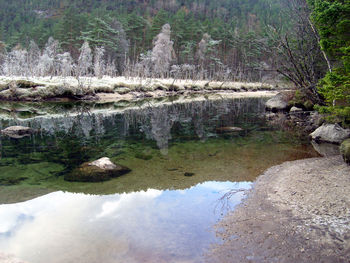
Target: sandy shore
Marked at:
297, 212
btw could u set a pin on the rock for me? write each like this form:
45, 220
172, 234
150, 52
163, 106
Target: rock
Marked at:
17, 132
103, 163
228, 129
345, 150
315, 119
188, 174
97, 171
295, 109
277, 103
326, 149
332, 133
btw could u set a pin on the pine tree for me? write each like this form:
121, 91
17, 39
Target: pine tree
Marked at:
111, 36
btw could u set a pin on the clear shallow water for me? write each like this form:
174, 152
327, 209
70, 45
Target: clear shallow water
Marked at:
154, 213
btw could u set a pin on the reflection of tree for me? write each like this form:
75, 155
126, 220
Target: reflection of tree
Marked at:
161, 122
156, 122
199, 113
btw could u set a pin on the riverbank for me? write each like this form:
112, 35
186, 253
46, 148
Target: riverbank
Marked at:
86, 88
298, 211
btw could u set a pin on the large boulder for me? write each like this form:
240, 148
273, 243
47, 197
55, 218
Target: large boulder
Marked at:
332, 133
17, 132
345, 150
326, 149
277, 103
97, 171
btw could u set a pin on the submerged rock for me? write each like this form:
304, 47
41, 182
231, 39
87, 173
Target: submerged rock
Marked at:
97, 171
277, 103
17, 132
345, 151
332, 133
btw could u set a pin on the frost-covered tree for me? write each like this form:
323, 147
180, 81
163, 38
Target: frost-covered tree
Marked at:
99, 64
65, 64
3, 54
47, 65
203, 48
144, 67
208, 58
163, 51
188, 71
33, 58
110, 68
15, 63
84, 61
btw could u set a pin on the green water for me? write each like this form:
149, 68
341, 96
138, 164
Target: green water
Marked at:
160, 144
154, 213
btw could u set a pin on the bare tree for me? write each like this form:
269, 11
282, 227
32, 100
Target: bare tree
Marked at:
299, 54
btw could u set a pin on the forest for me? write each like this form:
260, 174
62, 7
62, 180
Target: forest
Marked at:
305, 42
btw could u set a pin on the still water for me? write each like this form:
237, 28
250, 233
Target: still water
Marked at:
153, 214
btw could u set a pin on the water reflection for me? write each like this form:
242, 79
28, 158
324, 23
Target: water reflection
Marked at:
156, 122
145, 226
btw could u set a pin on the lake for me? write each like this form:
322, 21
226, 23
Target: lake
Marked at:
154, 213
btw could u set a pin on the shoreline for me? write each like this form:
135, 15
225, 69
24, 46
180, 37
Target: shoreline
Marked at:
118, 88
298, 211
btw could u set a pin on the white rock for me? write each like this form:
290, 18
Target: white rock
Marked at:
276, 103
295, 109
104, 163
332, 133
17, 131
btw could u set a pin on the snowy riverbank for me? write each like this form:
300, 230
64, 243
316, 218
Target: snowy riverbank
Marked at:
47, 88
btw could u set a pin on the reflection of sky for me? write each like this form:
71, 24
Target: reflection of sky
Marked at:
164, 226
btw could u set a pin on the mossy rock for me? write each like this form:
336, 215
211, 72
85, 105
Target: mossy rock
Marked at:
345, 150
90, 173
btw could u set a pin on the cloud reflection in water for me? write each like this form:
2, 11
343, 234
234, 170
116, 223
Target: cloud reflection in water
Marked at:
147, 226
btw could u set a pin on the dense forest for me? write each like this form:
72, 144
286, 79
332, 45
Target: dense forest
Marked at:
237, 29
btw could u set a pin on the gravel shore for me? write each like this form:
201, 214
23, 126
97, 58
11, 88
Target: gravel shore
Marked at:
298, 211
